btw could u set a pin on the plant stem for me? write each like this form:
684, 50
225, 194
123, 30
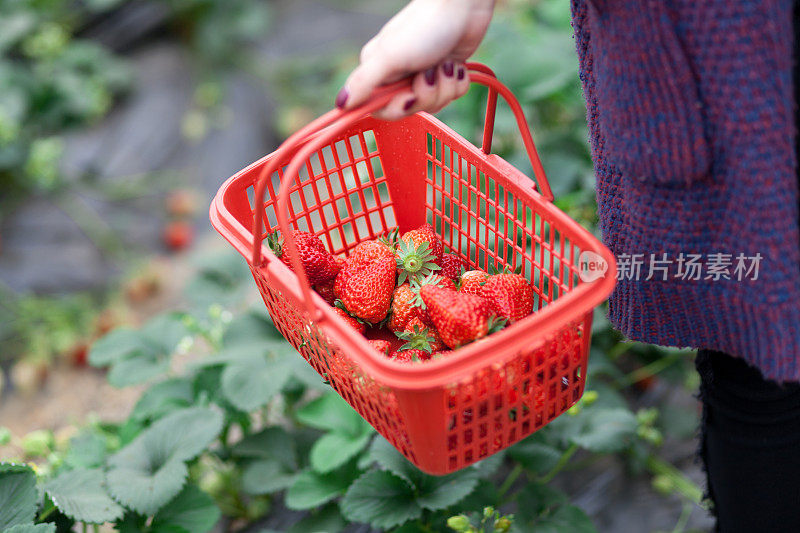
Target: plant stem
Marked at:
562, 462
680, 527
45, 513
648, 370
512, 477
682, 484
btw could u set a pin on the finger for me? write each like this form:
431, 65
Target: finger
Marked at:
462, 80
447, 86
399, 107
361, 82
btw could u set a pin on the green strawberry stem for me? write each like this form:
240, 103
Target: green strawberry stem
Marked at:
419, 339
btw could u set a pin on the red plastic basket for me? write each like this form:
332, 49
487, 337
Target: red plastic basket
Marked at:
348, 177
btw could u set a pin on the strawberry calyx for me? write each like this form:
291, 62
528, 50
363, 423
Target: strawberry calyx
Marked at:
275, 243
340, 304
391, 238
495, 324
418, 339
493, 270
414, 261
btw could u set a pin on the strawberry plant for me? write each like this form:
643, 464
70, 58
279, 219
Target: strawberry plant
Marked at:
233, 420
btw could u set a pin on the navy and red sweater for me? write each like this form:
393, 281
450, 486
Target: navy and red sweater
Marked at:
691, 119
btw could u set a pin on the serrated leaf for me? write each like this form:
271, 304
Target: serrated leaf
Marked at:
150, 471
18, 495
535, 498
251, 382
535, 455
80, 495
31, 528
115, 346
163, 333
311, 489
334, 449
86, 450
145, 490
163, 398
380, 499
270, 443
607, 430
251, 328
330, 412
138, 369
327, 520
266, 476
192, 510
439, 492
388, 458
566, 518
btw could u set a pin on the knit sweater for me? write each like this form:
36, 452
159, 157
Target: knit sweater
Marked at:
690, 109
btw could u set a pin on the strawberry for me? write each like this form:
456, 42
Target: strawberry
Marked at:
366, 289
471, 282
417, 336
430, 279
384, 347
511, 296
452, 266
319, 264
351, 321
325, 290
459, 318
410, 356
403, 307
414, 260
370, 251
178, 235
425, 234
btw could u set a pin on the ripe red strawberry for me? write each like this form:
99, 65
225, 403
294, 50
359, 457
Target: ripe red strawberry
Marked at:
384, 347
511, 296
352, 322
366, 289
425, 234
452, 266
178, 235
459, 318
325, 290
403, 307
369, 252
471, 282
431, 279
319, 264
410, 356
419, 337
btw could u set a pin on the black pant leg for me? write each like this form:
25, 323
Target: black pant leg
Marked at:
750, 445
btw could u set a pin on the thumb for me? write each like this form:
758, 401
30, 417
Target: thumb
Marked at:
367, 77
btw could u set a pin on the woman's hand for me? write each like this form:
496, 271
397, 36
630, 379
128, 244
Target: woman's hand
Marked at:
430, 39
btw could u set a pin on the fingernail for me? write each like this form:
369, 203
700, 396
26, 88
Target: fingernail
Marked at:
447, 67
408, 105
460, 73
342, 97
430, 76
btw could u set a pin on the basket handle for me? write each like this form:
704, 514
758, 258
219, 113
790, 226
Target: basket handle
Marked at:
321, 131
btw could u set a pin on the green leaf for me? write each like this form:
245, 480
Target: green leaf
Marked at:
163, 398
330, 412
80, 495
380, 499
192, 510
311, 489
164, 332
251, 382
18, 495
266, 476
535, 455
136, 370
117, 345
436, 492
270, 443
566, 518
607, 430
251, 328
535, 498
150, 471
86, 450
328, 520
31, 528
388, 458
334, 449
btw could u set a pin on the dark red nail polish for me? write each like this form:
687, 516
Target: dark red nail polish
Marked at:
447, 67
430, 76
461, 73
408, 105
341, 98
